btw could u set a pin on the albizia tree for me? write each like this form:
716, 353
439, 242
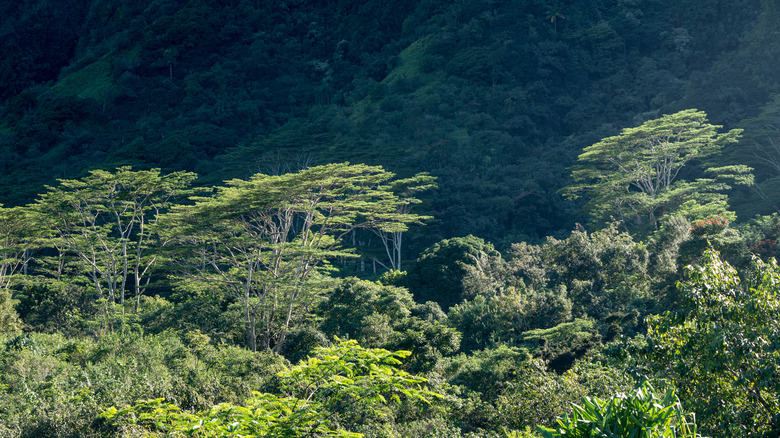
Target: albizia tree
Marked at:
637, 176
266, 240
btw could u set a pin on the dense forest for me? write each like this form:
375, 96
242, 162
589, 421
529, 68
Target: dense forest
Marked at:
503, 219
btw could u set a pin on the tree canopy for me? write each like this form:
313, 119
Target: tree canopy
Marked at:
119, 284
264, 240
638, 175
720, 347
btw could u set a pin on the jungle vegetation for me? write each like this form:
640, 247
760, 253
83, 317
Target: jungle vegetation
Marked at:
536, 218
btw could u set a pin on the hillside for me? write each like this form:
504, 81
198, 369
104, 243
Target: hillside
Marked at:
465, 219
494, 98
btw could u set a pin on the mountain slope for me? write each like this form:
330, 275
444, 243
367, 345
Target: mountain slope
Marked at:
494, 98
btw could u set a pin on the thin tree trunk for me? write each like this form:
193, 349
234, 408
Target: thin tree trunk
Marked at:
249, 318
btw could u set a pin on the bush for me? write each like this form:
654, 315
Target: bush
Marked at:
9, 320
640, 414
537, 396
487, 321
563, 344
54, 386
720, 346
383, 316
341, 386
441, 269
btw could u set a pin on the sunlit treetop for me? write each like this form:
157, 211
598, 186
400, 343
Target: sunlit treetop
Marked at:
636, 176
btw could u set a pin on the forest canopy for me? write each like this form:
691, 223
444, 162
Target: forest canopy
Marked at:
467, 219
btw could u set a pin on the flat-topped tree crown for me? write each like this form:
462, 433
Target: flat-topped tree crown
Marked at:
636, 176
264, 240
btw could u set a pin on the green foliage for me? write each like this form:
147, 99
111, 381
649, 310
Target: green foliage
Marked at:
602, 272
536, 395
666, 243
486, 371
388, 317
353, 311
563, 344
173, 87
53, 386
634, 175
106, 224
393, 278
322, 394
761, 234
708, 227
93, 81
422, 86
640, 414
719, 347
19, 235
36, 60
714, 233
263, 415
407, 189
267, 240
440, 270
51, 306
486, 322
9, 320
229, 89
489, 321
347, 373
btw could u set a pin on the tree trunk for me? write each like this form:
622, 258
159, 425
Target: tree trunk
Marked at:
251, 337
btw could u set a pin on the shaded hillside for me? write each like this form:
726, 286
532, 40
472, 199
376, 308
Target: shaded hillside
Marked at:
494, 98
